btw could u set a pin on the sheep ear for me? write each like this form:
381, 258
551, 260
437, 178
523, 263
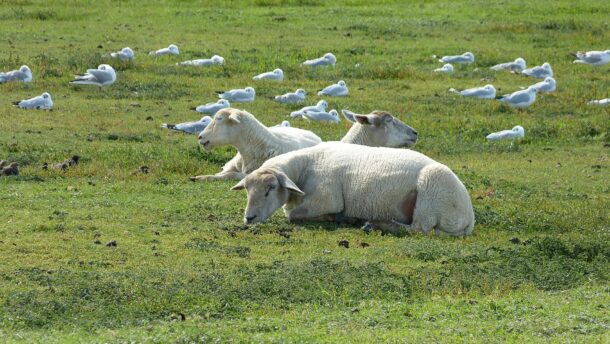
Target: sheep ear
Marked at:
285, 182
362, 119
349, 115
239, 186
233, 117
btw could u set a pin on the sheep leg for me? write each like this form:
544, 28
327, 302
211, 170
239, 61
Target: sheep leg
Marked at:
389, 227
220, 176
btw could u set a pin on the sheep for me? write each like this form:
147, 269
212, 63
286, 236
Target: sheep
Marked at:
378, 129
255, 142
390, 188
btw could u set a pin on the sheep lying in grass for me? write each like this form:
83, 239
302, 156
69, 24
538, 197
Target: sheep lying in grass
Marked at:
378, 129
255, 142
390, 188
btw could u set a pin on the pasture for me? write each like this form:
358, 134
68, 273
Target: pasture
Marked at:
185, 269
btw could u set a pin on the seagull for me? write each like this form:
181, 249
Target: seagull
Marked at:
125, 54
516, 133
212, 108
593, 58
540, 72
516, 66
276, 74
467, 57
485, 92
447, 68
41, 102
214, 60
323, 116
295, 97
284, 124
104, 75
245, 95
601, 102
24, 74
326, 60
190, 127
547, 85
337, 90
520, 99
320, 106
171, 50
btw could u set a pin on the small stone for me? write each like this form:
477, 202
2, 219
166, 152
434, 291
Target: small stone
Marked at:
515, 240
111, 243
364, 245
344, 243
97, 242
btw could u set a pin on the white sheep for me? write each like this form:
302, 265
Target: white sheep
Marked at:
255, 143
389, 188
378, 129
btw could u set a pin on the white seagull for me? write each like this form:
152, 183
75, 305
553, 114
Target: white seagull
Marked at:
447, 68
125, 54
323, 116
276, 74
171, 50
41, 102
593, 58
336, 90
295, 97
241, 95
520, 99
214, 60
284, 124
547, 85
516, 66
319, 107
601, 102
516, 132
24, 74
467, 57
484, 92
326, 60
212, 108
104, 75
539, 72
190, 127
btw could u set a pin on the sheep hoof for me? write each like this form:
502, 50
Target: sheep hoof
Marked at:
368, 227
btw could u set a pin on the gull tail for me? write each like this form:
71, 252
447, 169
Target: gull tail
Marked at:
16, 103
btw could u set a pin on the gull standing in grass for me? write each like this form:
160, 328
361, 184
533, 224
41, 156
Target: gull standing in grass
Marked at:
592, 58
104, 75
23, 74
295, 97
189, 127
319, 107
601, 102
41, 102
539, 72
447, 68
212, 108
171, 50
323, 116
336, 90
516, 66
516, 132
277, 74
547, 85
241, 95
214, 60
327, 60
466, 57
125, 54
520, 99
484, 92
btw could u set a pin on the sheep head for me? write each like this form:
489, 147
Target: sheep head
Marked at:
384, 130
224, 129
268, 190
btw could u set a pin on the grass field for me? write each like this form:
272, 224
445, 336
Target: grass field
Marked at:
186, 270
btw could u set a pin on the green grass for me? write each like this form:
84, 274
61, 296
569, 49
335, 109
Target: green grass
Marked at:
186, 270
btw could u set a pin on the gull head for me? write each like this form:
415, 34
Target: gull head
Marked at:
285, 124
489, 88
278, 71
223, 102
520, 62
218, 59
300, 91
341, 83
519, 131
330, 58
25, 69
322, 104
546, 66
250, 90
127, 51
206, 120
173, 49
334, 113
448, 66
468, 54
46, 95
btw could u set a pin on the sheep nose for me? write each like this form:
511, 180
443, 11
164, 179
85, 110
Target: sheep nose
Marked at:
250, 218
415, 132
199, 137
